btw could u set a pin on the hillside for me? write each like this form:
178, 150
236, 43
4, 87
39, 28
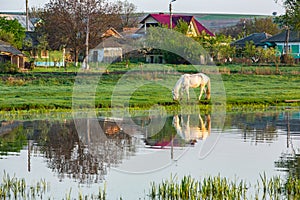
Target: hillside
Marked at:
215, 22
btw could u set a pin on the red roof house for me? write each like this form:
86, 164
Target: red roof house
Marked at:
195, 27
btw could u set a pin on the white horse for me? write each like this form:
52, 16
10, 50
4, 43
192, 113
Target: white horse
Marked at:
192, 80
192, 133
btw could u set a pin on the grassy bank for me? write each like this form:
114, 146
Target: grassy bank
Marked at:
52, 89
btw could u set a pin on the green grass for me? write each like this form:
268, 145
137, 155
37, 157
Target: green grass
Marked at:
217, 187
46, 89
261, 89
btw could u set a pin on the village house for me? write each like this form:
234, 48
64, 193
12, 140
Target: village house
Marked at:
110, 49
257, 39
9, 54
195, 27
293, 43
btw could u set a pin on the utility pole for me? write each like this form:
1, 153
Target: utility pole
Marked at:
170, 9
87, 42
287, 39
27, 16
244, 27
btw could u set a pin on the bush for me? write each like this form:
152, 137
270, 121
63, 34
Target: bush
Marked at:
8, 68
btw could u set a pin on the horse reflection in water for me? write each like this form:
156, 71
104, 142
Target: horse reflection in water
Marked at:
191, 132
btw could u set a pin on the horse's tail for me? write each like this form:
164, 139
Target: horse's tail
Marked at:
208, 89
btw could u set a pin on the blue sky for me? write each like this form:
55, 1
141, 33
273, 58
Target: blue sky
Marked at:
265, 7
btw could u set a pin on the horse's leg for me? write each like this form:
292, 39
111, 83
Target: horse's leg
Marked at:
181, 93
201, 91
188, 93
201, 122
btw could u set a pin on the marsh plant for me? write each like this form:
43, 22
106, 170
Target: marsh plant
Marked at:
17, 188
208, 188
187, 188
218, 187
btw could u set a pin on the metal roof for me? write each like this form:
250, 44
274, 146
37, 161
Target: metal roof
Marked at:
21, 19
257, 38
7, 49
165, 19
281, 37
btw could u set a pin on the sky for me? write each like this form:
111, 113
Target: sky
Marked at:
263, 7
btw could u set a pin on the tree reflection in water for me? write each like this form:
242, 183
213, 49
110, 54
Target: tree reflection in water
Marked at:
87, 157
257, 127
70, 156
290, 161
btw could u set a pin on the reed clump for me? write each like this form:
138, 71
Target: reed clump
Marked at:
17, 188
218, 187
208, 188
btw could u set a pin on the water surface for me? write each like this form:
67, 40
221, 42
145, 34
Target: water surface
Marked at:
127, 154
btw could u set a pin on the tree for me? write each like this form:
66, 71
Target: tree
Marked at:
12, 31
182, 26
250, 51
291, 18
217, 46
190, 52
248, 26
129, 17
6, 36
289, 21
266, 25
72, 23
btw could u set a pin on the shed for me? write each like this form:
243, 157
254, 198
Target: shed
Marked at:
12, 55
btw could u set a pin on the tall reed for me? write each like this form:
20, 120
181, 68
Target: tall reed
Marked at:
218, 187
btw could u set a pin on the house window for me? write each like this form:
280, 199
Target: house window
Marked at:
44, 54
281, 49
295, 48
34, 54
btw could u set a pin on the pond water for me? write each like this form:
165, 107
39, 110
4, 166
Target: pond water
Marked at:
126, 155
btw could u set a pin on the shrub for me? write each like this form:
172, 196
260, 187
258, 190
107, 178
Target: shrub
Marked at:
8, 68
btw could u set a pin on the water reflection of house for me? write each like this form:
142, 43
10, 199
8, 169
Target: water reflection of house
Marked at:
263, 127
8, 126
289, 121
